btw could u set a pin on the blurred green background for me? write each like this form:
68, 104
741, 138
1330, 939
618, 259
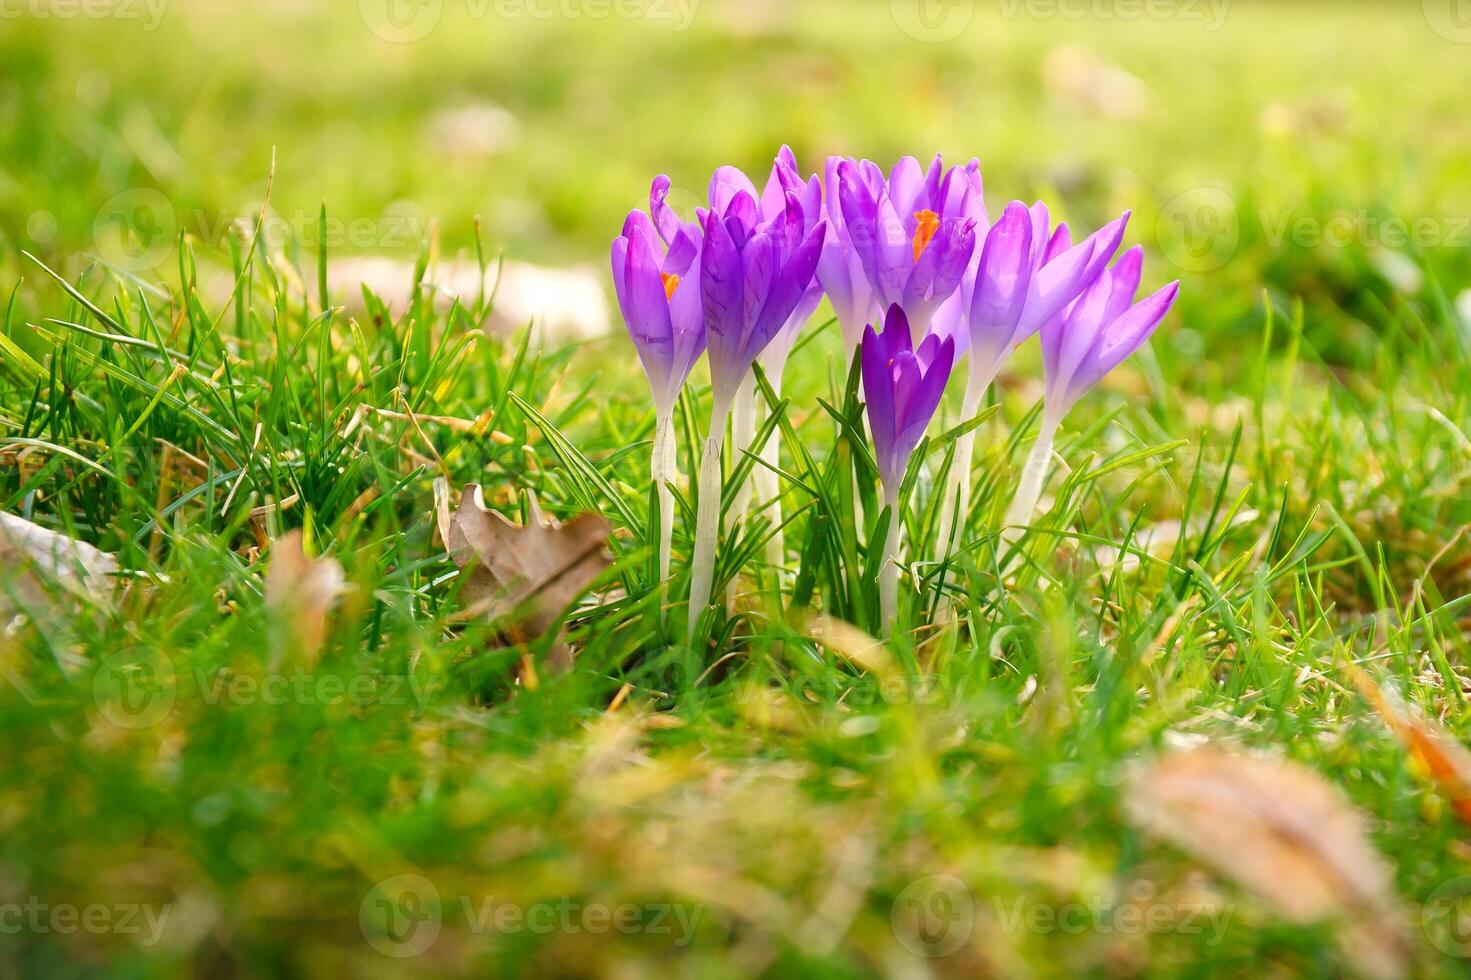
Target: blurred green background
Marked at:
1274, 153
1225, 124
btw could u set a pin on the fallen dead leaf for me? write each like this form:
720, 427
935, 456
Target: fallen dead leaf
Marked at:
1281, 831
1437, 751
40, 557
530, 574
300, 592
851, 643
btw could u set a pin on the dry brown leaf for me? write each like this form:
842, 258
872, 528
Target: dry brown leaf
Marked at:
300, 592
854, 645
1284, 833
50, 558
533, 573
1440, 753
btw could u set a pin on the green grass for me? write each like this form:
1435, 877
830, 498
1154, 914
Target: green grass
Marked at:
757, 803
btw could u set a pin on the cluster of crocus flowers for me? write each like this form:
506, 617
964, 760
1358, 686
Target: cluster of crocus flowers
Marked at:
915, 248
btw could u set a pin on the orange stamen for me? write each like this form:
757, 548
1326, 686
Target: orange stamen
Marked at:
929, 225
671, 283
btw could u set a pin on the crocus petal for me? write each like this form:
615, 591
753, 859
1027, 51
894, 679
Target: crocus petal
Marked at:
878, 387
1126, 273
664, 217
907, 188
760, 260
1068, 339
893, 253
722, 290
951, 322
1059, 243
1055, 285
1106, 242
1003, 280
903, 388
728, 182
939, 271
684, 249
925, 400
741, 217
1121, 339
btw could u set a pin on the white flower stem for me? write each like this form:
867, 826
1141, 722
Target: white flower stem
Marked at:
889, 569
1034, 478
768, 485
665, 470
742, 434
707, 519
957, 492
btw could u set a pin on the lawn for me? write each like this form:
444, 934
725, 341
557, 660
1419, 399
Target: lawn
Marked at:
220, 759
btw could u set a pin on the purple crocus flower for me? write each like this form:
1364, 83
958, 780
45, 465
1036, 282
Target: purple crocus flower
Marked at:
840, 270
903, 387
754, 272
656, 274
785, 180
1079, 346
1100, 331
915, 233
1025, 274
